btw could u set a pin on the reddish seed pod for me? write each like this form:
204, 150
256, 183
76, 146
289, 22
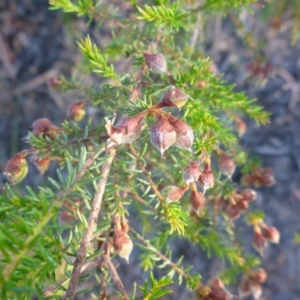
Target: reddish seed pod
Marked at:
16, 168
174, 97
156, 62
242, 205
162, 135
259, 243
244, 287
207, 179
184, 133
249, 195
232, 211
267, 177
191, 173
197, 200
127, 130
42, 164
226, 165
76, 111
43, 127
173, 193
260, 275
271, 234
54, 83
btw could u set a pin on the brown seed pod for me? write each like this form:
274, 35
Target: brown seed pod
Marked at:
16, 168
232, 211
127, 129
244, 287
122, 243
173, 193
271, 234
249, 195
156, 62
197, 200
42, 164
207, 179
43, 127
174, 96
226, 165
259, 242
162, 135
242, 205
191, 173
259, 275
255, 289
184, 133
76, 111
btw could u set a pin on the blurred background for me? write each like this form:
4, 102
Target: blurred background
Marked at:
259, 51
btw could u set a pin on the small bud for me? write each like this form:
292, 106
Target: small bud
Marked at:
76, 111
55, 83
260, 275
42, 164
173, 193
122, 244
271, 234
191, 173
162, 135
232, 211
175, 96
184, 133
44, 128
127, 130
156, 62
249, 195
16, 168
259, 243
197, 200
226, 165
207, 179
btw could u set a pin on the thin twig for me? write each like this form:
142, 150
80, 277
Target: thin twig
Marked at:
115, 277
92, 220
146, 174
160, 255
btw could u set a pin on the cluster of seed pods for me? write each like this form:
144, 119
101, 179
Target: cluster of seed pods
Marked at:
214, 290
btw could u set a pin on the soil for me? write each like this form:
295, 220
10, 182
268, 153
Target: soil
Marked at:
34, 47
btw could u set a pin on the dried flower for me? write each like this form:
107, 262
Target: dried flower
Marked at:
16, 168
173, 193
42, 164
191, 173
162, 135
184, 133
207, 179
242, 205
156, 62
76, 111
244, 287
218, 291
255, 289
271, 234
122, 243
197, 200
43, 127
259, 242
226, 165
127, 130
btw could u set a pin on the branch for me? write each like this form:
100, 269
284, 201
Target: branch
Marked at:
93, 217
146, 174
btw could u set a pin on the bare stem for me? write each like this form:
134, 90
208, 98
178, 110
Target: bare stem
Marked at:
93, 217
160, 255
146, 174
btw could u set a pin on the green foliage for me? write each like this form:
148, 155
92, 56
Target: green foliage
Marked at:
44, 231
